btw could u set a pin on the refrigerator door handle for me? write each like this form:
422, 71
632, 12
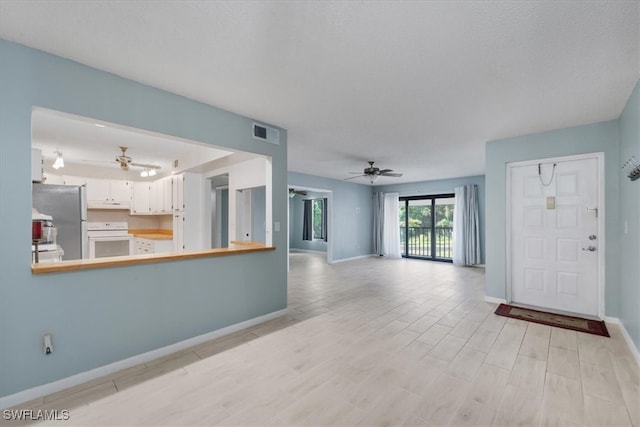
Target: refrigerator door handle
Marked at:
84, 240
83, 203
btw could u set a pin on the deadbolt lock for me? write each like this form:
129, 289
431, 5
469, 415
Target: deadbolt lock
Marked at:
592, 237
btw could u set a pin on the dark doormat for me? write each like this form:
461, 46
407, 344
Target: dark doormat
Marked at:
596, 327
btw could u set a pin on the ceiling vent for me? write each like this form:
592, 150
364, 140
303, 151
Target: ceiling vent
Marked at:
266, 133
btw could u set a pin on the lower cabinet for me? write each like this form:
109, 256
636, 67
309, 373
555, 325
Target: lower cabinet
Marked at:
152, 246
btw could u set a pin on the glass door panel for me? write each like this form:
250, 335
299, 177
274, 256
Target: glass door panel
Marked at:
443, 231
419, 228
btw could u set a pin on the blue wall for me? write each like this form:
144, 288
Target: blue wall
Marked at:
296, 220
599, 137
629, 124
101, 316
443, 186
351, 214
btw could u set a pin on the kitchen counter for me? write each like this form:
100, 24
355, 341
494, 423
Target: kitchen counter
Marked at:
235, 248
159, 234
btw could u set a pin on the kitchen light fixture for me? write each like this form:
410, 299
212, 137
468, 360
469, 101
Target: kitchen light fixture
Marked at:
59, 163
99, 125
147, 172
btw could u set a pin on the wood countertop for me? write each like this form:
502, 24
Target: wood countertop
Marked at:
159, 234
235, 248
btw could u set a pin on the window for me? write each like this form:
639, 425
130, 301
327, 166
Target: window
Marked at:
319, 219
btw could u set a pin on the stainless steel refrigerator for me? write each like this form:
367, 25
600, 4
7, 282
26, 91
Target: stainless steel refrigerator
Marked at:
67, 204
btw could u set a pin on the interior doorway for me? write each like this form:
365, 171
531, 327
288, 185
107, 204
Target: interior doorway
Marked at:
317, 205
219, 199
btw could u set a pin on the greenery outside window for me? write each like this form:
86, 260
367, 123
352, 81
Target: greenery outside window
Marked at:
319, 219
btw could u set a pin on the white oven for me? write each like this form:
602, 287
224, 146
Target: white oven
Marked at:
107, 239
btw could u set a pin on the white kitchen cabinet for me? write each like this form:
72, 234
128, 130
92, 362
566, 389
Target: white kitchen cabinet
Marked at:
140, 200
103, 193
178, 232
177, 190
120, 191
164, 196
186, 194
152, 197
74, 180
98, 190
153, 246
49, 178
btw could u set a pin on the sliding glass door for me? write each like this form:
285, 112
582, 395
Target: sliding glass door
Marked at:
426, 226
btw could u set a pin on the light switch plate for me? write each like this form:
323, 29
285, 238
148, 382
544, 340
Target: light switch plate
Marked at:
551, 202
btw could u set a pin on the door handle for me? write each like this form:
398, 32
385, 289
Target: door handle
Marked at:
589, 248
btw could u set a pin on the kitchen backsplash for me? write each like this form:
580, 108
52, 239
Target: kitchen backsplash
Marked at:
135, 221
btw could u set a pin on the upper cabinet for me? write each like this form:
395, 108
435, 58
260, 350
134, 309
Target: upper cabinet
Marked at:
141, 198
101, 193
157, 197
171, 194
177, 190
108, 194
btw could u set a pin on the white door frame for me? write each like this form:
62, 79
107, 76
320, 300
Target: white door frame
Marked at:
601, 220
330, 239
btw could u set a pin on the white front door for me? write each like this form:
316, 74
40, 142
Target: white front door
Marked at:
554, 235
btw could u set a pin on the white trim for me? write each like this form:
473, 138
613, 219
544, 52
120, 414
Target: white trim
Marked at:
337, 261
494, 300
83, 377
627, 337
306, 250
601, 220
330, 239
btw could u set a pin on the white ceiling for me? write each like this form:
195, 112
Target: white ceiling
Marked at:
418, 87
91, 150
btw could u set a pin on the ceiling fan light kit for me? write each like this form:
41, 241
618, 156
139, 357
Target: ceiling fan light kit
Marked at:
146, 172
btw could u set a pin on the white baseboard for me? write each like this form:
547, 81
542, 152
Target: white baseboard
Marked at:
494, 300
627, 337
83, 377
307, 250
337, 261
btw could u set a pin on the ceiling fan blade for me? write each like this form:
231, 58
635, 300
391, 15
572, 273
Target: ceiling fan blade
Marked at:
353, 177
383, 171
355, 173
144, 165
396, 175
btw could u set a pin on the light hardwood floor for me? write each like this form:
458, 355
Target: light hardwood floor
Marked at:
375, 342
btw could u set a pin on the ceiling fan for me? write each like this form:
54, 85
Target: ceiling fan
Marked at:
126, 161
373, 173
293, 192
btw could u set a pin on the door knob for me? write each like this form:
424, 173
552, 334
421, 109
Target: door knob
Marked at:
590, 249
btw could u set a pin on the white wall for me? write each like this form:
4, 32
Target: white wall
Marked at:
248, 174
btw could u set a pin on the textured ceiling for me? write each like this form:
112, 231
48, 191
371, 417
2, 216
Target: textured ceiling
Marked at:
418, 87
